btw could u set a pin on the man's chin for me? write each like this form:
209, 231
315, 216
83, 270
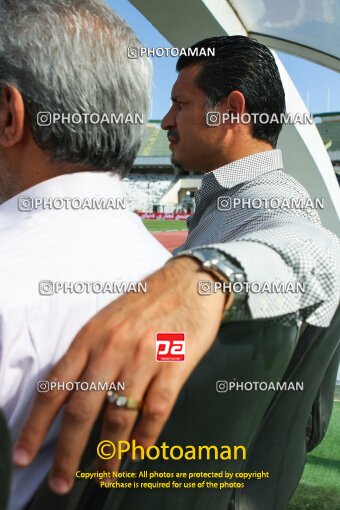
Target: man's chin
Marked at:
176, 164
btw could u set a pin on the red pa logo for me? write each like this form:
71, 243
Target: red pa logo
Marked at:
170, 347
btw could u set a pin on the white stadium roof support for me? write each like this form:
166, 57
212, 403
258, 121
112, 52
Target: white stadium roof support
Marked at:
308, 29
183, 23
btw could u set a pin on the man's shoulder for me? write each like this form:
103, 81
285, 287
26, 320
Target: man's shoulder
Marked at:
280, 178
74, 247
277, 193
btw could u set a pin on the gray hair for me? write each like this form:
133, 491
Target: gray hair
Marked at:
71, 56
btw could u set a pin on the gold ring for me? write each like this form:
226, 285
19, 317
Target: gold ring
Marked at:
123, 402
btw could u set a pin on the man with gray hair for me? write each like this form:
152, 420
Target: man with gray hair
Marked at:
120, 341
68, 241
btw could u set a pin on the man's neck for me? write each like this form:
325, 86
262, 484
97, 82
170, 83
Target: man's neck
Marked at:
17, 183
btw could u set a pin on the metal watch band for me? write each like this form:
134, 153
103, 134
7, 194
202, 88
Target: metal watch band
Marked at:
218, 263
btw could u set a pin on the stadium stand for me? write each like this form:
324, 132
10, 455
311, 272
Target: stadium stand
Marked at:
145, 191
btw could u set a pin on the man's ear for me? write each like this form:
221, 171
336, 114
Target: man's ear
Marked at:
236, 103
12, 116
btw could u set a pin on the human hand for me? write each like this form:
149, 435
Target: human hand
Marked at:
119, 344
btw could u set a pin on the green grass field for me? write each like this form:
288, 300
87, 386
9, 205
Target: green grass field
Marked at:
319, 488
162, 225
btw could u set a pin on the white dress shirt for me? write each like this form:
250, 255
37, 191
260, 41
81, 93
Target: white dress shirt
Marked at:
63, 245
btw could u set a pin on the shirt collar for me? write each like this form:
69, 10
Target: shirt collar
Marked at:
78, 184
245, 169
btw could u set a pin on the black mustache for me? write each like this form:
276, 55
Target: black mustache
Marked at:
173, 133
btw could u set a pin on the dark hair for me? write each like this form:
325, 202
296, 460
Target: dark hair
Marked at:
243, 64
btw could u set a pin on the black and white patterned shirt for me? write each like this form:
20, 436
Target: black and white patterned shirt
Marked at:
269, 228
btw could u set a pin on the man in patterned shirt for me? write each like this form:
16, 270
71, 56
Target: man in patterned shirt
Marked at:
245, 244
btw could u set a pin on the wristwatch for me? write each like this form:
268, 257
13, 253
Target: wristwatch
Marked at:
225, 270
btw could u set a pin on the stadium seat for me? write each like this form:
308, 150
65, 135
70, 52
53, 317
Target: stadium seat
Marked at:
323, 405
281, 443
273, 426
